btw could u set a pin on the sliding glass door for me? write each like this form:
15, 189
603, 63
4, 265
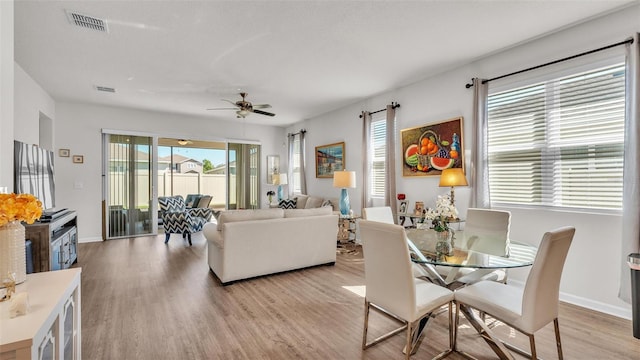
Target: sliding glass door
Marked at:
128, 186
244, 176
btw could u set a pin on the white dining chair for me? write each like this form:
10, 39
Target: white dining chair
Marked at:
391, 287
530, 308
486, 231
384, 214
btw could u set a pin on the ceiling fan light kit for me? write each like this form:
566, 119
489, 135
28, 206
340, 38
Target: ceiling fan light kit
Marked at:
244, 107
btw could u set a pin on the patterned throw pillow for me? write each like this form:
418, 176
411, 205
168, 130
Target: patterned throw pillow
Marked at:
287, 204
327, 202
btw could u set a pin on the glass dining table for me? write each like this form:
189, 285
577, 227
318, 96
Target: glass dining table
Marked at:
422, 243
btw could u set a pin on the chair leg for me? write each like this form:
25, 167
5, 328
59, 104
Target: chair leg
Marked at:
366, 324
532, 342
409, 346
189, 238
558, 344
166, 237
452, 330
455, 325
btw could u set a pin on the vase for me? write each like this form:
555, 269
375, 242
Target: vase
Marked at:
12, 252
444, 247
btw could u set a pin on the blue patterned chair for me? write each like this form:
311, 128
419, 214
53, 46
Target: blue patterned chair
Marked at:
177, 219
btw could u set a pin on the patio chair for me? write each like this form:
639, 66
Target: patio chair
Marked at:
177, 219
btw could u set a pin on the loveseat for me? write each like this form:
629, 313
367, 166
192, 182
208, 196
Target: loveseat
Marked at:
249, 243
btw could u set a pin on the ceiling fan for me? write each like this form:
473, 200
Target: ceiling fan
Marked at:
244, 107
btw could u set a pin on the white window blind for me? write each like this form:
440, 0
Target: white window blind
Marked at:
296, 180
559, 143
378, 143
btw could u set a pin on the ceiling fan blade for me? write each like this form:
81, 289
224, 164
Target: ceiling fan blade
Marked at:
231, 102
261, 106
263, 112
223, 109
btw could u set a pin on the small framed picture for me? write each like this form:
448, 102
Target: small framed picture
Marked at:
419, 208
403, 207
64, 152
78, 159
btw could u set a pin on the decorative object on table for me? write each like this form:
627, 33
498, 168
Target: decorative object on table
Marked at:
273, 168
78, 159
431, 148
270, 195
10, 286
64, 152
344, 179
329, 158
280, 179
402, 208
440, 217
14, 209
453, 177
418, 209
19, 304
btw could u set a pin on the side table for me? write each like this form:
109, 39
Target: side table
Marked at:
347, 233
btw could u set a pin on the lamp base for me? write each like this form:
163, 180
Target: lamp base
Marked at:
344, 203
280, 193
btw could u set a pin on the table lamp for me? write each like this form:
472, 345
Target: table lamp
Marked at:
453, 177
280, 179
344, 179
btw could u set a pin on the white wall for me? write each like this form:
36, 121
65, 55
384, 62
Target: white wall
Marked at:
78, 127
592, 270
6, 94
30, 101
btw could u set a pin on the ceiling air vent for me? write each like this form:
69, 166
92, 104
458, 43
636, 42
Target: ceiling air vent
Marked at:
105, 89
87, 21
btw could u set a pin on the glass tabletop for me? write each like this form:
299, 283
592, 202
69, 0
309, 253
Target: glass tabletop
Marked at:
423, 244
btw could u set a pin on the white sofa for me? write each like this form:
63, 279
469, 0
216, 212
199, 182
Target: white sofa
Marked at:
249, 243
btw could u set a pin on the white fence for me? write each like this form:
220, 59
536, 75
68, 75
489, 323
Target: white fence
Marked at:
183, 184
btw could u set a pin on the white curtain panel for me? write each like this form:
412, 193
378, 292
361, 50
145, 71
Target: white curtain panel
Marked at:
479, 170
390, 191
303, 173
366, 171
631, 179
290, 140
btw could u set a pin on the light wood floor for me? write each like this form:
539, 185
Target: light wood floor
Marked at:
142, 299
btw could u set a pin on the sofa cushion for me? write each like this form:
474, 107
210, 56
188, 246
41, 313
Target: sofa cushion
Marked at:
301, 201
245, 215
313, 202
287, 204
335, 203
290, 213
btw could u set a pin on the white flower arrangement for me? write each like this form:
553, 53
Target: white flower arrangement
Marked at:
442, 214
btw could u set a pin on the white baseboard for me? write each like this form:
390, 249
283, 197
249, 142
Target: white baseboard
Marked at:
89, 239
618, 311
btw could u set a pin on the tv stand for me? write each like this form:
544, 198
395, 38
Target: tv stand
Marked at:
54, 241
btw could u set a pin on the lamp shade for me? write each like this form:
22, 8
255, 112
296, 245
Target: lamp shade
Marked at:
280, 179
344, 179
453, 177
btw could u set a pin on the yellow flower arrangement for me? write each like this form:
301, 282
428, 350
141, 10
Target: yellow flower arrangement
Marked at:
22, 207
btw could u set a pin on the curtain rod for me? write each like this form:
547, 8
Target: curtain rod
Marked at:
302, 131
394, 105
628, 41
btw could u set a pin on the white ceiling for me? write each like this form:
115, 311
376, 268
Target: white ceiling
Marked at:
304, 58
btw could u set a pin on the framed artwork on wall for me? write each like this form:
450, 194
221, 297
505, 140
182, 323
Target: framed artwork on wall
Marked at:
78, 159
64, 152
273, 167
329, 158
431, 148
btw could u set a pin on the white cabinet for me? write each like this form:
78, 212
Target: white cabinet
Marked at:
51, 329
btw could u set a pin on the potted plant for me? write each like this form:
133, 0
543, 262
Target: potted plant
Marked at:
270, 195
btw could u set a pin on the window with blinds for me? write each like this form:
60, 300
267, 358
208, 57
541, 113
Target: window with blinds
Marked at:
378, 138
559, 143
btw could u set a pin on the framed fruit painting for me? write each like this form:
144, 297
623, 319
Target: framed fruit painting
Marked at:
431, 148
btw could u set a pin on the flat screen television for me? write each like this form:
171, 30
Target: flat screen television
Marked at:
33, 172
